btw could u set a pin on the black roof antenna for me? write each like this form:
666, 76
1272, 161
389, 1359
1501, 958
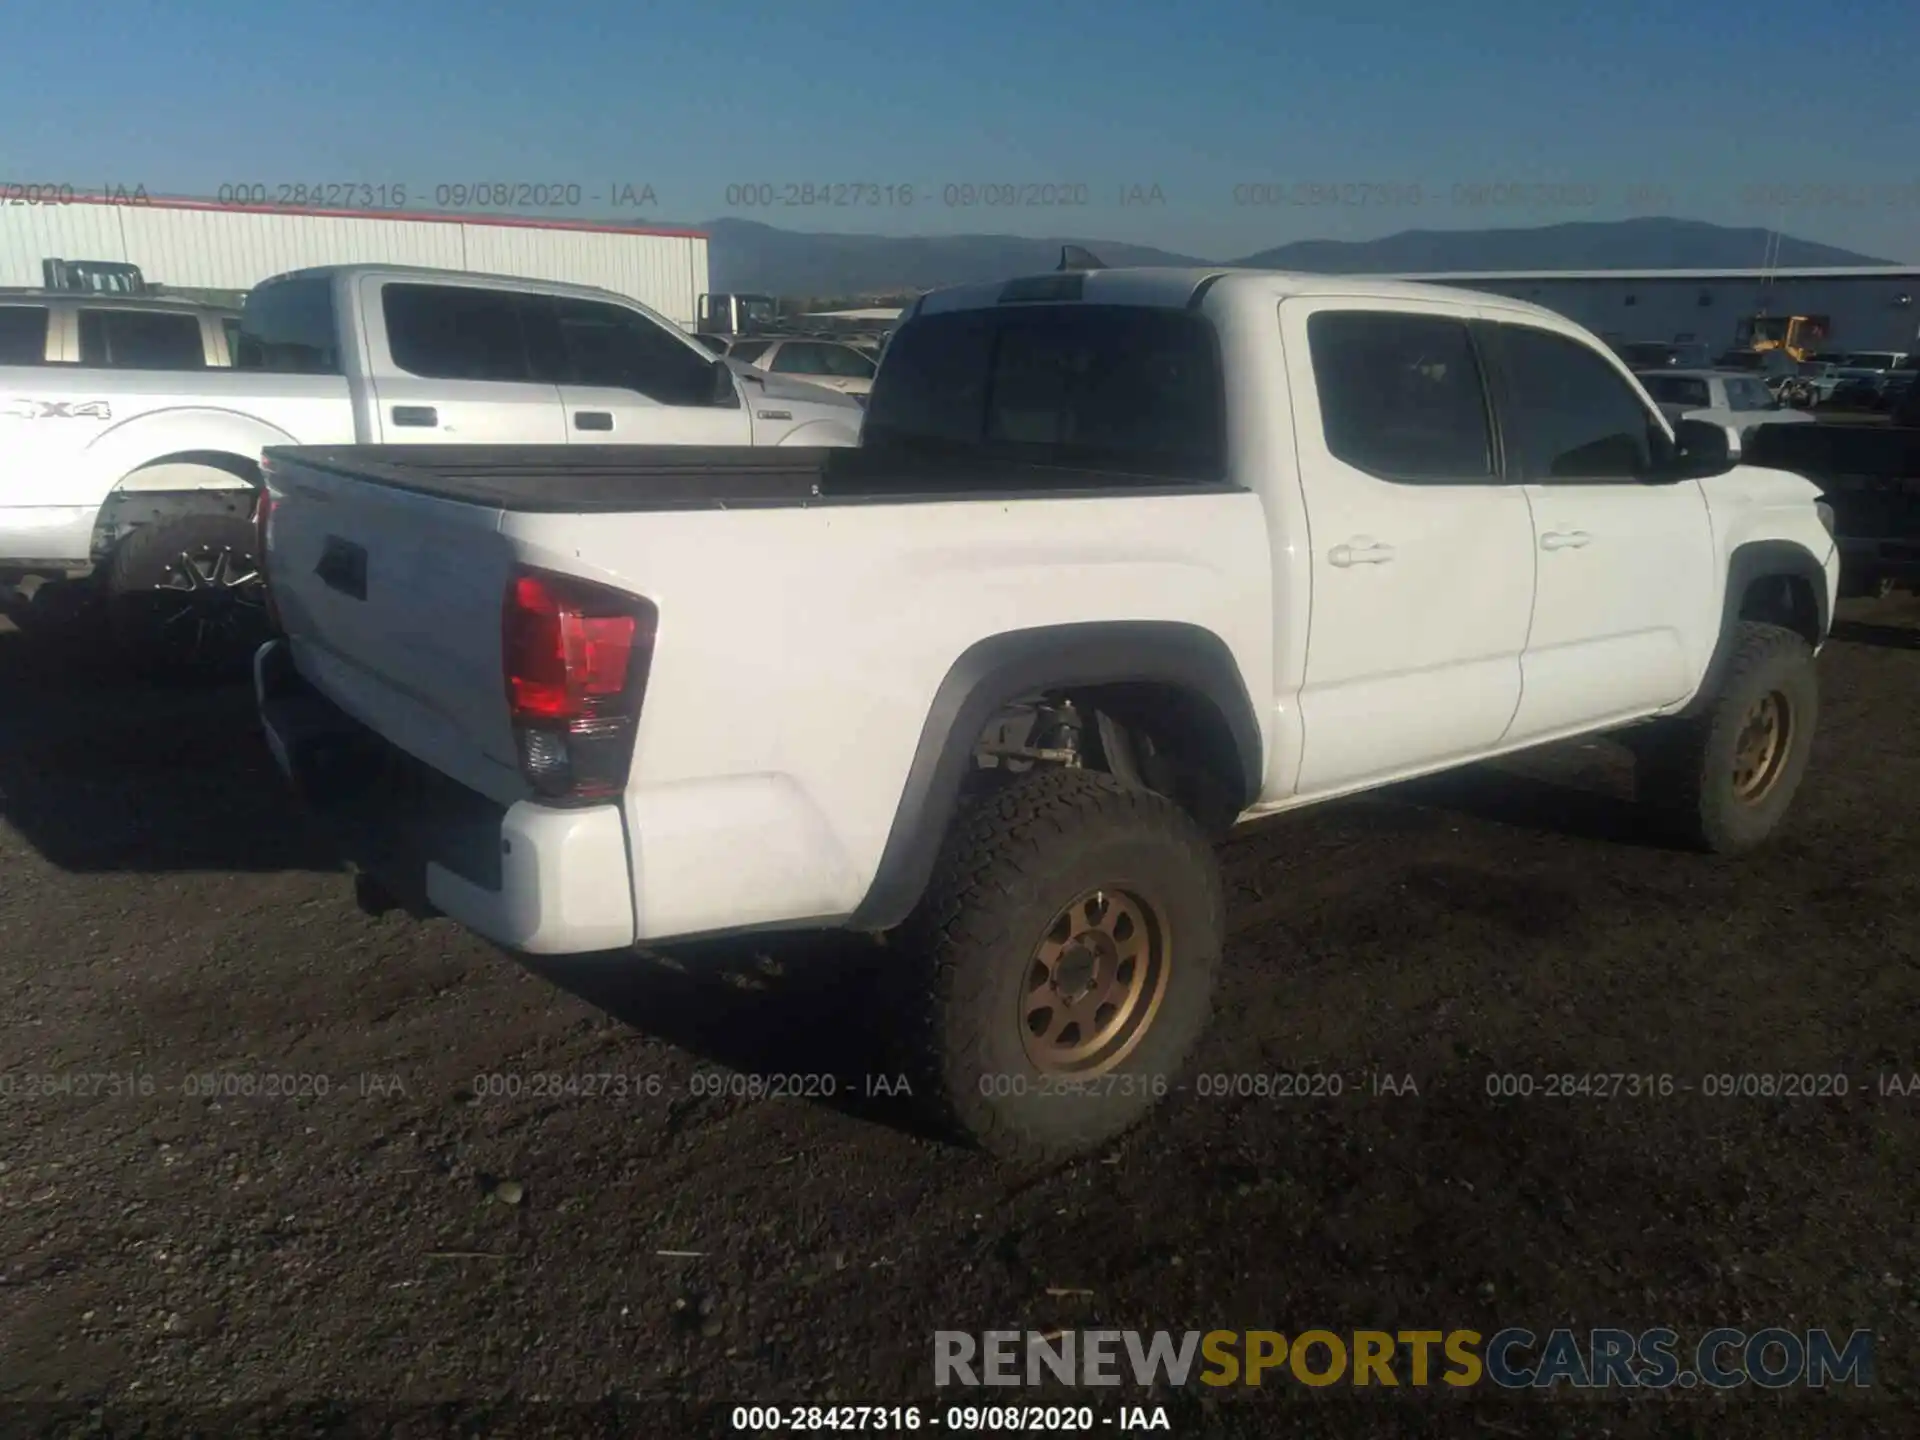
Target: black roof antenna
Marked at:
1075, 257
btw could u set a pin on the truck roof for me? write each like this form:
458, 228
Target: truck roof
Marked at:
17, 294
431, 274
1175, 288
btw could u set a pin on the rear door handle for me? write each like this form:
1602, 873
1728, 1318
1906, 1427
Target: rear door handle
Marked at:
592, 420
421, 415
1359, 552
1564, 539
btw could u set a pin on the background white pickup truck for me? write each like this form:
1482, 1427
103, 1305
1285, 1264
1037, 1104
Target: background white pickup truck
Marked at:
149, 476
1123, 557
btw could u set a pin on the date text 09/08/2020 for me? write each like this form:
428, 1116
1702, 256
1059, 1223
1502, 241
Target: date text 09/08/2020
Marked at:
955, 1419
504, 195
786, 195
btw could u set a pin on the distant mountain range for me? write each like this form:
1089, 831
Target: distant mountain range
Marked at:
744, 255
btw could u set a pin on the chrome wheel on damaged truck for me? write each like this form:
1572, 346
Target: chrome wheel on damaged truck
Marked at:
186, 597
1060, 968
1723, 780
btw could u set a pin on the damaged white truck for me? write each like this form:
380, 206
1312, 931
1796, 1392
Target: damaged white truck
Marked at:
1124, 557
139, 481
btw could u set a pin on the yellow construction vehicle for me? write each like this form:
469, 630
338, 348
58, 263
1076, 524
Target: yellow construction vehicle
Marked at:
1798, 335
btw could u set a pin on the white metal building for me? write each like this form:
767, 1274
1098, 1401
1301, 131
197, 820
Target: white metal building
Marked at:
1870, 307
202, 245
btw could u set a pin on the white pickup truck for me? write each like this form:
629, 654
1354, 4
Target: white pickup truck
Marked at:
1123, 558
147, 477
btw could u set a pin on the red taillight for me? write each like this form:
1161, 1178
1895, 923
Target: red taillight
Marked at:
576, 659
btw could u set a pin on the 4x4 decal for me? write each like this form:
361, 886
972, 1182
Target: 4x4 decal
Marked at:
56, 409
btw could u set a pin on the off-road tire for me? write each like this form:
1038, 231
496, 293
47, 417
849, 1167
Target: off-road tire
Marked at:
1687, 766
955, 984
143, 614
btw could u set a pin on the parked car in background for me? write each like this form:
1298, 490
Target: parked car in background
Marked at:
1813, 386
831, 363
1732, 398
1665, 354
1775, 368
1864, 379
140, 481
114, 332
1900, 381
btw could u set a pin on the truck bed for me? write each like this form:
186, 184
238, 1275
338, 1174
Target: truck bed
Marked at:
1849, 455
622, 479
1870, 477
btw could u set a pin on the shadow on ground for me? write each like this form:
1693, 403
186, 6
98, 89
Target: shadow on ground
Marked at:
1885, 637
100, 771
794, 1006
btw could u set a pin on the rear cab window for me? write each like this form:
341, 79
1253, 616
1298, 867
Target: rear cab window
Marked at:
1133, 389
142, 339
23, 334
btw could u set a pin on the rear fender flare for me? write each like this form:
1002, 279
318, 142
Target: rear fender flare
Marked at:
1001, 669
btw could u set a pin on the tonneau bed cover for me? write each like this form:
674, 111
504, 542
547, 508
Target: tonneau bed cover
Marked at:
603, 479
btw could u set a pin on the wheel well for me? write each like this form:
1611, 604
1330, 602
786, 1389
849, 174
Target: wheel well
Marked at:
1163, 737
129, 507
1784, 600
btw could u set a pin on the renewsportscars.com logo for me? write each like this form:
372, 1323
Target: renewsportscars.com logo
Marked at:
1515, 1359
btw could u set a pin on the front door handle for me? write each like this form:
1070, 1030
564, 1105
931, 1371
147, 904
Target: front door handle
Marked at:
593, 420
424, 415
1360, 552
1564, 539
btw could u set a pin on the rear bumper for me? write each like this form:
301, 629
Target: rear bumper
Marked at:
534, 878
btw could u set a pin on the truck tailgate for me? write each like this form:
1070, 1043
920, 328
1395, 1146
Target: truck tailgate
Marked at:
392, 601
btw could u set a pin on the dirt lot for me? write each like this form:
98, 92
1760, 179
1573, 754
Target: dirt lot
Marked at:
403, 1237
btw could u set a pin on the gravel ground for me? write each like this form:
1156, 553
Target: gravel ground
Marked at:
391, 1234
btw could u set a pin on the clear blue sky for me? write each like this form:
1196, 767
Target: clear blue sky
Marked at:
1694, 99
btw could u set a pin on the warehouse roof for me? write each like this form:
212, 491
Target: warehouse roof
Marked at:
524, 222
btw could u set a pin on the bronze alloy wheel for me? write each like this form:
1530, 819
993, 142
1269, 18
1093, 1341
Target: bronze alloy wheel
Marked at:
1760, 752
1094, 983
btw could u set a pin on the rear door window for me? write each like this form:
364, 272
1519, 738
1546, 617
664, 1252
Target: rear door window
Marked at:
1401, 395
455, 332
142, 339
23, 334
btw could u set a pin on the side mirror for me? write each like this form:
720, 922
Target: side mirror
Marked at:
1705, 449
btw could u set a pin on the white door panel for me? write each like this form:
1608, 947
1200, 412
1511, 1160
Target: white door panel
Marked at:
599, 415
413, 411
1614, 614
1623, 611
419, 330
1421, 589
